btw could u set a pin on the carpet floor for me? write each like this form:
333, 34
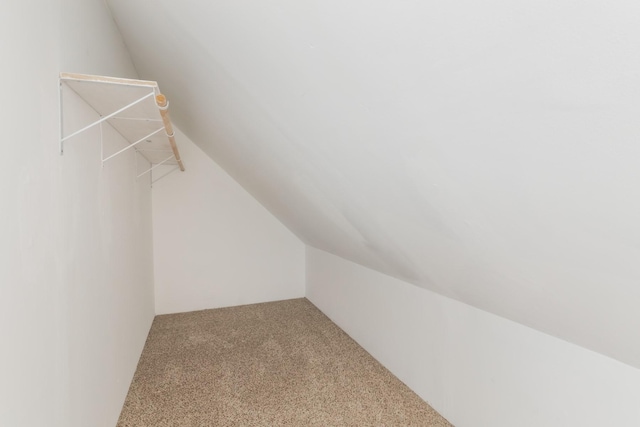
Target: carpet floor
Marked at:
274, 364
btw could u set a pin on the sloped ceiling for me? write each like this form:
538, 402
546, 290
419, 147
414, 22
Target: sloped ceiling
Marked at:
487, 150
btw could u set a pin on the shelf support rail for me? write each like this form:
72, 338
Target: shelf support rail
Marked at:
132, 145
156, 165
102, 119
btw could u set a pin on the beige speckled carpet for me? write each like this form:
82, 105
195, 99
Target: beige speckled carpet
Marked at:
275, 364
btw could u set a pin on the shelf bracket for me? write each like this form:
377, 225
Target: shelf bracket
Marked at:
156, 165
132, 145
102, 119
150, 112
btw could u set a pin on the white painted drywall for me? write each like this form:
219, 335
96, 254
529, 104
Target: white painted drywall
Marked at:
76, 272
487, 150
31, 352
215, 245
105, 231
475, 368
107, 268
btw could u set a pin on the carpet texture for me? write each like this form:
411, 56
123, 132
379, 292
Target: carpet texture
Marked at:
274, 364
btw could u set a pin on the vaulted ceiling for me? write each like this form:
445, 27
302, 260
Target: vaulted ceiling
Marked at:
486, 150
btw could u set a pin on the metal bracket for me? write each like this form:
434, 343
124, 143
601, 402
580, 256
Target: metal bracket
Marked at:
132, 145
156, 165
100, 101
97, 122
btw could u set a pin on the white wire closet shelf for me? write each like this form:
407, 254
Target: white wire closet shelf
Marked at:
136, 109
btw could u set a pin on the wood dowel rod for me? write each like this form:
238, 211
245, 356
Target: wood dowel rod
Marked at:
161, 100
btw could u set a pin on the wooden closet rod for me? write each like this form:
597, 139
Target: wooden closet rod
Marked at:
163, 104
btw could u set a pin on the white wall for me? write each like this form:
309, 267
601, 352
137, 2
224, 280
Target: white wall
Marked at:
215, 245
76, 273
105, 230
477, 369
30, 316
486, 150
107, 268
